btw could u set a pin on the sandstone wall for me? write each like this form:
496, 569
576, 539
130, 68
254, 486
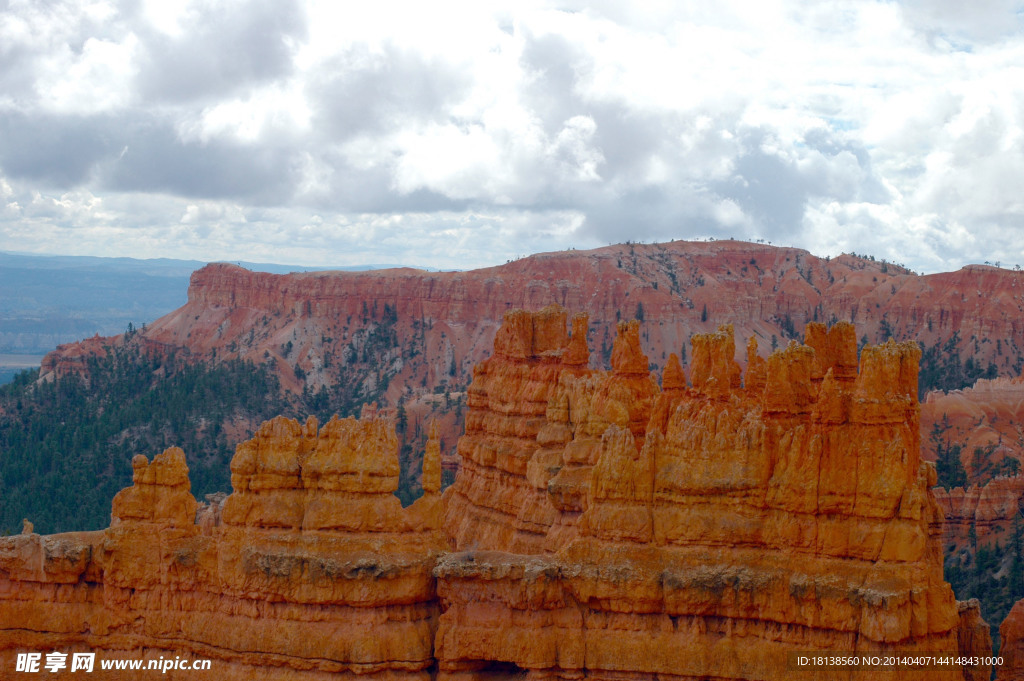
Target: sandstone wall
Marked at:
681, 288
310, 569
987, 422
604, 524
990, 509
701, 532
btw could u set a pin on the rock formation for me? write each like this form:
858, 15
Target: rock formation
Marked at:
313, 569
377, 333
984, 426
989, 509
1011, 635
688, 539
601, 526
988, 417
681, 287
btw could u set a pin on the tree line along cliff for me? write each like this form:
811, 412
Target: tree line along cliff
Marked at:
429, 328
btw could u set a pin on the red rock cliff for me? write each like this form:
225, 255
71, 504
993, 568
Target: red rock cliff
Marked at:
738, 525
320, 321
311, 568
391, 335
984, 426
603, 527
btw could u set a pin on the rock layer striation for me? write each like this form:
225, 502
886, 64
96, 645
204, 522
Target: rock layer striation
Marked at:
694, 532
604, 524
310, 569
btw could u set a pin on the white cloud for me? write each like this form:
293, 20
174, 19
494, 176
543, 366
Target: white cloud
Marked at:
166, 16
273, 111
199, 128
95, 80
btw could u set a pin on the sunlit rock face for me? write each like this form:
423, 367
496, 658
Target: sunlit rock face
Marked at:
1011, 635
309, 569
701, 531
604, 524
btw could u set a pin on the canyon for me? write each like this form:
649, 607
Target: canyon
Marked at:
679, 287
983, 427
711, 521
406, 336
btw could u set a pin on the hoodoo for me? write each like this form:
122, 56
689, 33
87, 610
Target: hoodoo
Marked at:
705, 532
603, 524
310, 568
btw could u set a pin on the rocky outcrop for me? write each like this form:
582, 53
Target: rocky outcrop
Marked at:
983, 426
603, 524
320, 322
989, 509
310, 568
696, 545
1011, 636
986, 422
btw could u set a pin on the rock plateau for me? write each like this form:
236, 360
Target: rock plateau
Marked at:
386, 335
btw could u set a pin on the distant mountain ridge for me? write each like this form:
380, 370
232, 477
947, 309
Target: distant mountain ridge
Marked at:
46, 300
401, 337
382, 332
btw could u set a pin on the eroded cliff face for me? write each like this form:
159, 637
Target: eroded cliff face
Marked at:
989, 509
603, 524
701, 532
375, 335
986, 423
320, 320
983, 426
1011, 635
309, 569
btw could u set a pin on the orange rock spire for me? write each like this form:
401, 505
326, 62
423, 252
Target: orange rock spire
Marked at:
432, 462
314, 570
720, 527
602, 527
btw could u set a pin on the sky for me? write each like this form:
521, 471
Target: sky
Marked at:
466, 134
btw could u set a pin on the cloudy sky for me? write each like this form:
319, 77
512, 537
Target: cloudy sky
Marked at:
465, 134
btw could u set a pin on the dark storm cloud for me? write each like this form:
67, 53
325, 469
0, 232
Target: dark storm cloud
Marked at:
369, 191
625, 136
226, 48
769, 189
16, 73
552, 65
155, 159
774, 189
868, 186
650, 212
58, 151
140, 154
366, 91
